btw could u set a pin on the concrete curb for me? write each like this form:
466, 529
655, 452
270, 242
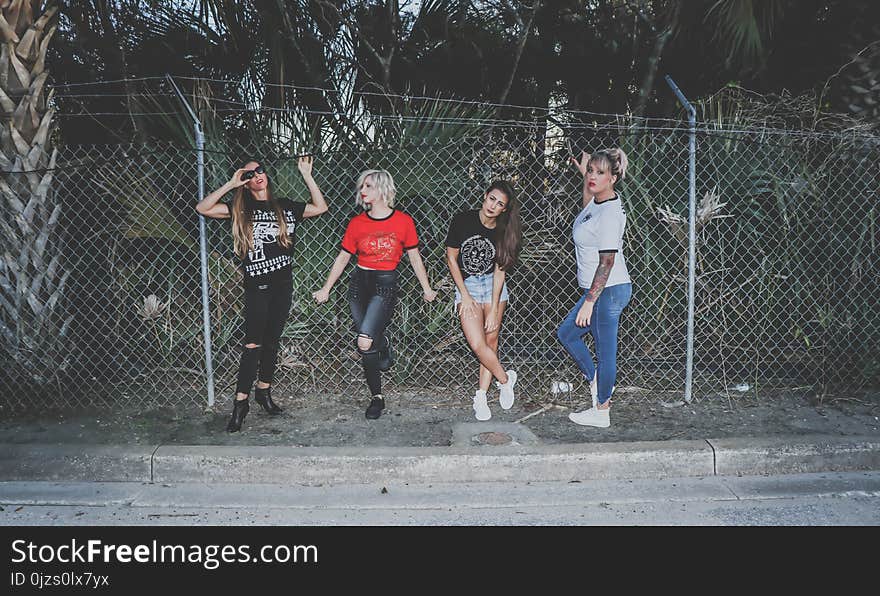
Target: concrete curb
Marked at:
795, 455
312, 466
74, 462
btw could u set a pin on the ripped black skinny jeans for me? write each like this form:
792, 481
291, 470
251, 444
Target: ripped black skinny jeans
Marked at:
266, 306
372, 296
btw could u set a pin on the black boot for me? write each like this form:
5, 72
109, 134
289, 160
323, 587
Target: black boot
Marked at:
239, 411
374, 410
264, 398
386, 355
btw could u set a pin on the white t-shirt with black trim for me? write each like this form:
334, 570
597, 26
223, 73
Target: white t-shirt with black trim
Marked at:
599, 228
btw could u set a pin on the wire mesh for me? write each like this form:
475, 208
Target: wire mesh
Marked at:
787, 266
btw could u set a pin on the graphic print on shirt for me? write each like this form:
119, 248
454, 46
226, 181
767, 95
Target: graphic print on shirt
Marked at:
477, 255
379, 245
267, 255
264, 233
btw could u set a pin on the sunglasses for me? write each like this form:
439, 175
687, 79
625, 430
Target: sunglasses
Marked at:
251, 173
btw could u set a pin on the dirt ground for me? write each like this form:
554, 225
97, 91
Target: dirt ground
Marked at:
426, 418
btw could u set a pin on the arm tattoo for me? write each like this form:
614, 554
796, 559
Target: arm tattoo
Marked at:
606, 262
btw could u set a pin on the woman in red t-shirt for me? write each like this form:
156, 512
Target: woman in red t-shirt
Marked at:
378, 237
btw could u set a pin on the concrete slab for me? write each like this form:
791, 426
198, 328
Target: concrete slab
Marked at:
795, 454
93, 494
513, 462
71, 462
432, 496
830, 484
319, 466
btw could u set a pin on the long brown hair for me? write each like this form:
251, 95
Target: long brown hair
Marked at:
243, 217
509, 227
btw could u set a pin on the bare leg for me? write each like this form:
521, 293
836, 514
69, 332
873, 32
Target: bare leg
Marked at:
492, 342
476, 338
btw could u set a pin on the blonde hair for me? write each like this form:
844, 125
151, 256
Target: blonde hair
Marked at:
614, 159
242, 212
384, 184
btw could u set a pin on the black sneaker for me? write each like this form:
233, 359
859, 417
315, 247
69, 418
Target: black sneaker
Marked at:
386, 356
374, 410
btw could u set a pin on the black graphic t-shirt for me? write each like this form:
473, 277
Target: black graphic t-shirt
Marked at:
268, 255
476, 243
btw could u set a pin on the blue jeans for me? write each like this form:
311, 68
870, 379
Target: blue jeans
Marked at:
603, 325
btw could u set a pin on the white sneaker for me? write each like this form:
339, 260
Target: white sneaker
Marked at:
506, 398
592, 417
481, 408
594, 389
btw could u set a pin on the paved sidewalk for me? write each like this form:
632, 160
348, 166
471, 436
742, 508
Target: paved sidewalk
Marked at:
473, 463
432, 437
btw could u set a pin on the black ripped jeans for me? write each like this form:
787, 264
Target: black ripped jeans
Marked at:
267, 302
372, 296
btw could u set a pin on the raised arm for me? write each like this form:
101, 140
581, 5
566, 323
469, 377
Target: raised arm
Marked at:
582, 168
318, 205
339, 265
415, 259
210, 206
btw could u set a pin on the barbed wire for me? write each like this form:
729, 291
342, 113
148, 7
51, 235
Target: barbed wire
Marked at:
105, 82
409, 144
483, 103
557, 114
71, 95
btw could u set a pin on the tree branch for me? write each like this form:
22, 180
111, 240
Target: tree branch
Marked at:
523, 37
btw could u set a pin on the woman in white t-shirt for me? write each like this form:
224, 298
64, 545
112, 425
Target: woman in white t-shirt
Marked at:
603, 278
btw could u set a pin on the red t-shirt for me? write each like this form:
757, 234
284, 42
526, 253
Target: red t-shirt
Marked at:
380, 243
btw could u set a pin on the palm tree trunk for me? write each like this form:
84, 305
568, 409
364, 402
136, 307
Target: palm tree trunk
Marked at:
31, 278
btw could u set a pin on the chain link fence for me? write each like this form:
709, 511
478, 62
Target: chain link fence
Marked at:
786, 289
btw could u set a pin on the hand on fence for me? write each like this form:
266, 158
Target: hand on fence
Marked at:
430, 295
582, 164
305, 165
321, 296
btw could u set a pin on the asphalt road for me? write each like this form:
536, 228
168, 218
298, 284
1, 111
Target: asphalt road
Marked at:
851, 498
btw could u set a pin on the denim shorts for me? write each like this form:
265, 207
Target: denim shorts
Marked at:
480, 289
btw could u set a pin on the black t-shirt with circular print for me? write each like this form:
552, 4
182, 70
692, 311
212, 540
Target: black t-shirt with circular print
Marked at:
268, 256
476, 243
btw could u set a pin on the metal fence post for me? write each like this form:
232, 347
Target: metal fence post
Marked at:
692, 234
203, 245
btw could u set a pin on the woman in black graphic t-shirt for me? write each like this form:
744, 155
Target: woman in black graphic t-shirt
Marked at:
481, 247
263, 229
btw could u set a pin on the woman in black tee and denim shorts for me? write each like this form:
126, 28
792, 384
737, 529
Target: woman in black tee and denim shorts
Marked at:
263, 228
481, 247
